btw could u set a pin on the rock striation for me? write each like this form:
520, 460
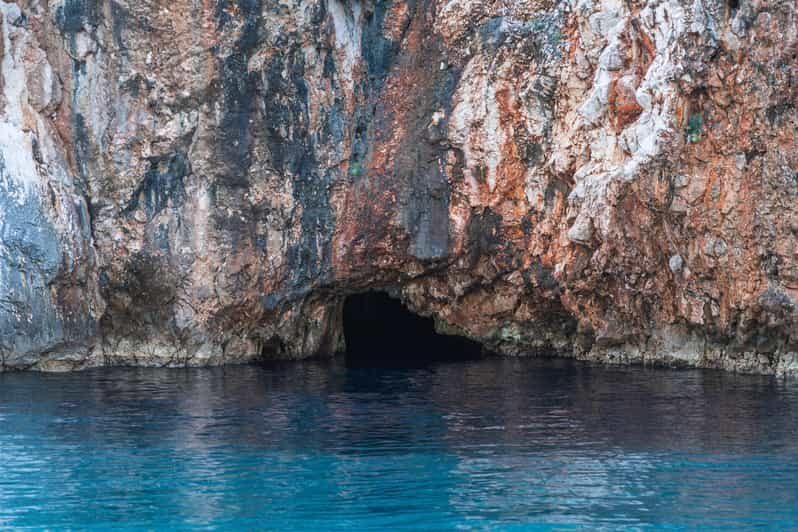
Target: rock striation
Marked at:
206, 181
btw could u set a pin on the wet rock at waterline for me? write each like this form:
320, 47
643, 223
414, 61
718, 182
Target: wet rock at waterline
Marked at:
193, 183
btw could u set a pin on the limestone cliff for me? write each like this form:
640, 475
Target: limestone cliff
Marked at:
205, 181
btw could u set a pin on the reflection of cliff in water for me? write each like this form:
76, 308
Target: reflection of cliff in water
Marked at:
555, 404
505, 439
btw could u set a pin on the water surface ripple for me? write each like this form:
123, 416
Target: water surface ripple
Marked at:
502, 444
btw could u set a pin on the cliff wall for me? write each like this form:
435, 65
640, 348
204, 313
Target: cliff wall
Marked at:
205, 181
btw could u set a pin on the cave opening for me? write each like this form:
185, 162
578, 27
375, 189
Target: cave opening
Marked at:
381, 332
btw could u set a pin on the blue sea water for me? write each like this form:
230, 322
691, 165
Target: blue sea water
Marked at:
496, 444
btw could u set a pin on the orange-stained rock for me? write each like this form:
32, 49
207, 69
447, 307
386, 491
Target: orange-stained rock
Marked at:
190, 183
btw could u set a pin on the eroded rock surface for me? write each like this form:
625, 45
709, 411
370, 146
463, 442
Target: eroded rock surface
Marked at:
205, 181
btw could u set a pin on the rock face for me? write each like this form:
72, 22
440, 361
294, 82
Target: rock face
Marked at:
205, 181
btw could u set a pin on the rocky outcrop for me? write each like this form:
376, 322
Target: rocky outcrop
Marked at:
201, 182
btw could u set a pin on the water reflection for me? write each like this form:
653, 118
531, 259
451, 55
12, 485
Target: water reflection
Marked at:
319, 445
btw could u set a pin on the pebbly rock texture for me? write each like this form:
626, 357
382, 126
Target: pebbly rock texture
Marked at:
205, 181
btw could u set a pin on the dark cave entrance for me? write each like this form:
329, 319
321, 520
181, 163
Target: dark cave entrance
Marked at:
381, 332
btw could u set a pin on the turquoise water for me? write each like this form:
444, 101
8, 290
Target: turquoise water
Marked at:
492, 444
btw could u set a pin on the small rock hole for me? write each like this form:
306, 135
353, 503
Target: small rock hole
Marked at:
381, 332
